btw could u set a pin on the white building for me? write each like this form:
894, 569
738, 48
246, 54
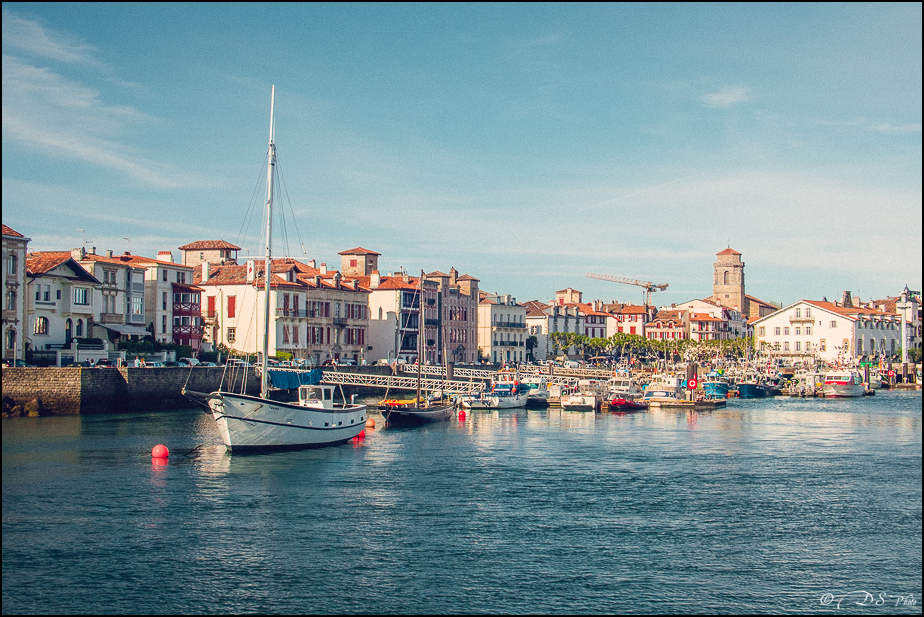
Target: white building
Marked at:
61, 301
14, 293
830, 331
314, 315
544, 320
502, 330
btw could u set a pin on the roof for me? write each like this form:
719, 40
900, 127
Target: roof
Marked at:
7, 231
206, 245
38, 264
357, 251
728, 251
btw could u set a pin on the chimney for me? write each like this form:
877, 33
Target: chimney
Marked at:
205, 270
312, 263
165, 256
78, 254
93, 250
375, 280
336, 279
108, 253
323, 269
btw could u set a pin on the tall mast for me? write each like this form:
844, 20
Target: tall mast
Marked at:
267, 270
420, 333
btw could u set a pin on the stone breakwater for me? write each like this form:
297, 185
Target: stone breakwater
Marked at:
69, 391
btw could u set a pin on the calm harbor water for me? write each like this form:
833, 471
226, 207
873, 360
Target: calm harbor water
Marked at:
767, 506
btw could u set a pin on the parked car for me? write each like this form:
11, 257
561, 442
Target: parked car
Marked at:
188, 362
19, 363
104, 363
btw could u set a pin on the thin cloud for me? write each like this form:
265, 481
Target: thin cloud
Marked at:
45, 110
726, 97
35, 39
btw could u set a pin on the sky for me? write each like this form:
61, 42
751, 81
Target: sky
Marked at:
526, 145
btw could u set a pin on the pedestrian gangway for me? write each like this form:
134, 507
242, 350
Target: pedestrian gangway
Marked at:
401, 383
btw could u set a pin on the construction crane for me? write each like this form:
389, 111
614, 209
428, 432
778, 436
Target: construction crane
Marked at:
648, 286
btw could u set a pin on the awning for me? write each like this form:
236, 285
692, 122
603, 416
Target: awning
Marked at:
126, 329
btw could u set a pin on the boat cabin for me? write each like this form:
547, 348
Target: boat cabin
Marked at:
316, 396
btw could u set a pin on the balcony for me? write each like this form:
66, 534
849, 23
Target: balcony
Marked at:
808, 319
112, 318
340, 321
509, 324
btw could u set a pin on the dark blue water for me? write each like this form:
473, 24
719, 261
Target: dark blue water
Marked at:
767, 506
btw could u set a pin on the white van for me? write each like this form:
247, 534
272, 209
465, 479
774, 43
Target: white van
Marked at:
570, 364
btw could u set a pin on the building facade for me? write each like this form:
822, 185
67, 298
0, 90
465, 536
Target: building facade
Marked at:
502, 329
811, 330
15, 247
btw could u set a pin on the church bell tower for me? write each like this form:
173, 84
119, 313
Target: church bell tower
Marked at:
728, 281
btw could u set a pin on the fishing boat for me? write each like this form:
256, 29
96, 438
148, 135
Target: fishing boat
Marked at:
715, 385
751, 385
588, 396
248, 422
843, 382
537, 394
422, 408
507, 392
625, 394
663, 389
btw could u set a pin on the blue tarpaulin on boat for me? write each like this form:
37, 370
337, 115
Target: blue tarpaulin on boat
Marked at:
288, 380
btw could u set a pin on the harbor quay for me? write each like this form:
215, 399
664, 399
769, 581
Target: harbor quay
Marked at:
62, 391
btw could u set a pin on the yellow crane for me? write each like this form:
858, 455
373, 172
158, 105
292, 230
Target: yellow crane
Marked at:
648, 286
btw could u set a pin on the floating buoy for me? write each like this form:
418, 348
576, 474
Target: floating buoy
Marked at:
160, 451
370, 423
461, 415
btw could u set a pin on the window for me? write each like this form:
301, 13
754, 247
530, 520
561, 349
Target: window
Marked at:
785, 331
821, 345
165, 275
798, 331
232, 300
41, 325
798, 346
81, 296
762, 331
798, 312
137, 305
164, 301
231, 334
10, 300
211, 306
11, 338
808, 345
11, 264
776, 331
808, 312
786, 346
833, 324
163, 324
808, 330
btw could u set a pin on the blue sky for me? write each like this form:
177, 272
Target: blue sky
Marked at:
523, 144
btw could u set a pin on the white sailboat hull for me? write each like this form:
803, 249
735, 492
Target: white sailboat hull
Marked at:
494, 402
250, 422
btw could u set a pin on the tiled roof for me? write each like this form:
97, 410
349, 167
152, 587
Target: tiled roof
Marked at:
207, 245
7, 231
357, 251
728, 251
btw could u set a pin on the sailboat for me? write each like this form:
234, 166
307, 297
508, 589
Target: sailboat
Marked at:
248, 422
421, 409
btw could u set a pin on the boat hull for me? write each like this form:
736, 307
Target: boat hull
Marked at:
254, 423
494, 402
579, 402
751, 390
622, 404
415, 415
842, 390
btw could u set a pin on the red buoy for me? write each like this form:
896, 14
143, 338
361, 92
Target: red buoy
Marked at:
160, 451
461, 416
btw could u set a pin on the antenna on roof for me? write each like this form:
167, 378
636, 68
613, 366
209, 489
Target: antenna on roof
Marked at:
129, 244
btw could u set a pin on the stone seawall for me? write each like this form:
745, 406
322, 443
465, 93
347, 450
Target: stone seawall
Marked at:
70, 391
